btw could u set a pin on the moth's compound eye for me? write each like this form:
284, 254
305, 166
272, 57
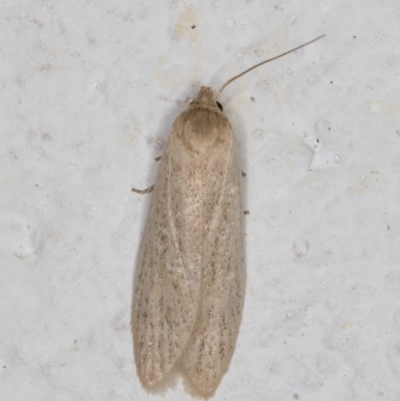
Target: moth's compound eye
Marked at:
220, 106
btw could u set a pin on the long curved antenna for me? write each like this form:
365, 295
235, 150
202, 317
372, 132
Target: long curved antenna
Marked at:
264, 62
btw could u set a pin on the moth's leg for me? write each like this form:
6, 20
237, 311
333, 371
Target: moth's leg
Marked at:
143, 191
147, 190
188, 104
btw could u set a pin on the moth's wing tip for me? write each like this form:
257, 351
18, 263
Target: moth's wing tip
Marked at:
149, 380
164, 381
198, 390
160, 384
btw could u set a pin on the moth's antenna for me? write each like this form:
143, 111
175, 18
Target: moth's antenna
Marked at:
264, 62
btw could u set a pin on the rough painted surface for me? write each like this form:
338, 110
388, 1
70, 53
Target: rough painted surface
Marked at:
89, 91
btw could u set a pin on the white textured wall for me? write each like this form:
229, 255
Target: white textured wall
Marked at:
88, 92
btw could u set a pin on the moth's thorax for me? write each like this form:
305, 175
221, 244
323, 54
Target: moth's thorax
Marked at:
202, 126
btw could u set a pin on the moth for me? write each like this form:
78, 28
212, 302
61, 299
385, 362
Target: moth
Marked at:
190, 277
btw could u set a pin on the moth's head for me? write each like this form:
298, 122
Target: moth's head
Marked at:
206, 100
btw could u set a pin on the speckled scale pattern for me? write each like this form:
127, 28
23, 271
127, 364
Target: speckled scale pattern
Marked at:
189, 284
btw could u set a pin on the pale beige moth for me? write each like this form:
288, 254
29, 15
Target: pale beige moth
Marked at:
190, 277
